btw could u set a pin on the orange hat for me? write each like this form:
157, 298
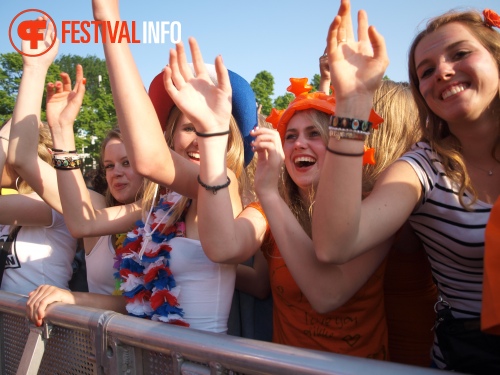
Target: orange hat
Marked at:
312, 100
303, 100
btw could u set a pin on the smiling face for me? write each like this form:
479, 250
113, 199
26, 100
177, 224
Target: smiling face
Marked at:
123, 182
457, 76
304, 149
185, 141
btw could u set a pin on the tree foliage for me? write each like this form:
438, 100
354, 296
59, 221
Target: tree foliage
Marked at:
263, 87
97, 115
282, 101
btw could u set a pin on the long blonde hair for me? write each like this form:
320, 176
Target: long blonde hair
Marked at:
394, 102
44, 144
235, 162
435, 130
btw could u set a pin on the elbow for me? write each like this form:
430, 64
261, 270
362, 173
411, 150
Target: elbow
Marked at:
330, 255
79, 231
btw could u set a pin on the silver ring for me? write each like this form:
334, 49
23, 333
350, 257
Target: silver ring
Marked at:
324, 55
342, 40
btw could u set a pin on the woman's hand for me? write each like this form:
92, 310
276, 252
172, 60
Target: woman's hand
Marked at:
63, 103
45, 57
356, 67
205, 104
41, 297
270, 159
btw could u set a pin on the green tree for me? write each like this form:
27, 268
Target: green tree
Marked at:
281, 102
263, 87
97, 115
315, 82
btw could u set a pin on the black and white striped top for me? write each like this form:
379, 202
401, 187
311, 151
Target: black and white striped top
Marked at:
452, 236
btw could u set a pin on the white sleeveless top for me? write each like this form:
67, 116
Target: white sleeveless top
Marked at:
100, 271
206, 288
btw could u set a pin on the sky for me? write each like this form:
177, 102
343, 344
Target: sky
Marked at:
284, 38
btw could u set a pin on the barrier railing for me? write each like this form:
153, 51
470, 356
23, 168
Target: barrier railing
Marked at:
81, 340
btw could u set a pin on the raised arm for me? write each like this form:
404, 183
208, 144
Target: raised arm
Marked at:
139, 124
24, 134
343, 225
326, 286
85, 215
208, 107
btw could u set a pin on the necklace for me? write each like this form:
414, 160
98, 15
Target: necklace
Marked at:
489, 172
143, 272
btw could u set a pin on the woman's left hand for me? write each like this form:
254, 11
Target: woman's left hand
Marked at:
205, 104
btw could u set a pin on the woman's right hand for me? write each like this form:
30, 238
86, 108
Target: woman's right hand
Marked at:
41, 297
63, 105
268, 147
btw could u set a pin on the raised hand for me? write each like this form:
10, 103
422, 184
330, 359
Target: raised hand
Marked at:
205, 104
44, 60
270, 159
63, 103
356, 67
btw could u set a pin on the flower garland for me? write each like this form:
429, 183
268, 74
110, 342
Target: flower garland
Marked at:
142, 262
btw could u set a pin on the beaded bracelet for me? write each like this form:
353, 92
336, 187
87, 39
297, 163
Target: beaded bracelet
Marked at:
343, 153
205, 135
66, 161
357, 135
347, 123
215, 188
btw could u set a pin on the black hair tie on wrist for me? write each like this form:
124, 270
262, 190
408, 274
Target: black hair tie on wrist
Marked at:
206, 135
215, 188
343, 153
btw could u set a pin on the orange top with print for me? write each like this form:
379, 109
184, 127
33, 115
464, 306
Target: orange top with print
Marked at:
357, 328
490, 312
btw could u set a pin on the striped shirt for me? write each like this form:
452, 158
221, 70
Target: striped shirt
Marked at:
452, 236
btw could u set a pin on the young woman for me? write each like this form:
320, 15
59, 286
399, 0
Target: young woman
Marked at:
44, 249
317, 306
445, 185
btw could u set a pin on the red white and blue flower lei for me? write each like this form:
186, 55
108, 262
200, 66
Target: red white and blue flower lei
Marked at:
143, 272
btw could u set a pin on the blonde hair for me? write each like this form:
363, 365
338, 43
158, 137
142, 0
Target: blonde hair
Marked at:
235, 162
394, 102
435, 130
44, 144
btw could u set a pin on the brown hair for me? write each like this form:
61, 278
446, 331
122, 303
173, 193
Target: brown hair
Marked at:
435, 129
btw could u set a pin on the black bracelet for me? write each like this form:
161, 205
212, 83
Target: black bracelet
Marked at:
205, 135
67, 152
215, 188
350, 124
343, 153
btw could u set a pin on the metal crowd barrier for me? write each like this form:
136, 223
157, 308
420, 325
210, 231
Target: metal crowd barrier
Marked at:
81, 340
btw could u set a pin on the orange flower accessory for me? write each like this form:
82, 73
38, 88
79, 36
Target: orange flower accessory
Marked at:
491, 18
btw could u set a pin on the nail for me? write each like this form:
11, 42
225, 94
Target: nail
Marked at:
84, 81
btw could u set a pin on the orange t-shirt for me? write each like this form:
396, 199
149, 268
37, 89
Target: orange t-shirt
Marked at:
357, 328
410, 295
490, 312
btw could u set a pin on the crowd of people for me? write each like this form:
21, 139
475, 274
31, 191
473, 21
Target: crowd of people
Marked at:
366, 210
